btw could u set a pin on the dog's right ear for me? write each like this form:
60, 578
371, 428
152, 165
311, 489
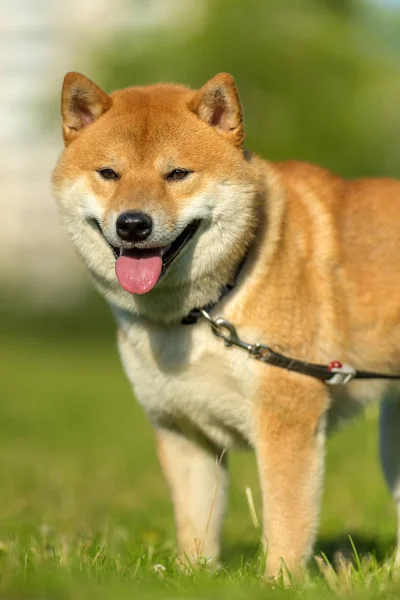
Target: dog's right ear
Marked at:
82, 102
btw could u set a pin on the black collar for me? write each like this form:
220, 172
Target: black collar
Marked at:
193, 316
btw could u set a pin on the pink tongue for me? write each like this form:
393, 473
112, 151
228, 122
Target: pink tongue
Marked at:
138, 271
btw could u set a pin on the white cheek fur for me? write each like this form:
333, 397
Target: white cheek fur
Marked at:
78, 206
227, 209
92, 209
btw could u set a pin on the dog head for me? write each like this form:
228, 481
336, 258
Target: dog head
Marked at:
155, 188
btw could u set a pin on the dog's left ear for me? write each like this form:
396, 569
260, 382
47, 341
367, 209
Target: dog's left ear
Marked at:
218, 104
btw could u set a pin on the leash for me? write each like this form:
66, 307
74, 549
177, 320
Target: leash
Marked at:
333, 374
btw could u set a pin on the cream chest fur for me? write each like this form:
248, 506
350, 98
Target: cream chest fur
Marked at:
185, 378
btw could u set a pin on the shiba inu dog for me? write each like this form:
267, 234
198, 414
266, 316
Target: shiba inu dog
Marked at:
166, 208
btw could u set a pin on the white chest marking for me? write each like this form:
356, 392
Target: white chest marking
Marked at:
185, 377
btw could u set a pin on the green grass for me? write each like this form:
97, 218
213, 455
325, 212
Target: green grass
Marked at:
84, 511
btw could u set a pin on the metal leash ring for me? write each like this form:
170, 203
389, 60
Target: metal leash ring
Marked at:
230, 338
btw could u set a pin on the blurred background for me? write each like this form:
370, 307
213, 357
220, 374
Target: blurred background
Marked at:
320, 81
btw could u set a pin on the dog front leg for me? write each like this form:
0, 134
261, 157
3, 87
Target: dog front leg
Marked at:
290, 423
198, 480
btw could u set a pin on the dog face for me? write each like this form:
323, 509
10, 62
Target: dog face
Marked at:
153, 185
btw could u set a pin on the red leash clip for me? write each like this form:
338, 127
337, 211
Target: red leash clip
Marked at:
342, 373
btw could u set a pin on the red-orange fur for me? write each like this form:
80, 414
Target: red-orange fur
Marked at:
320, 282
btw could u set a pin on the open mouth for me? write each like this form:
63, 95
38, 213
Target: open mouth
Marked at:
174, 249
139, 269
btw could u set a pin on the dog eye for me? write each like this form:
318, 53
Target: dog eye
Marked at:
107, 174
178, 174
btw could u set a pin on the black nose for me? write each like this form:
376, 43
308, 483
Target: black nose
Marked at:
134, 226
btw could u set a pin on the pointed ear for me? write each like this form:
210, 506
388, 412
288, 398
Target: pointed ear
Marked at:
218, 104
82, 103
